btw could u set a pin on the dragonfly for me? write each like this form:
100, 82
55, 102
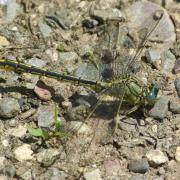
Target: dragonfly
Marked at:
125, 86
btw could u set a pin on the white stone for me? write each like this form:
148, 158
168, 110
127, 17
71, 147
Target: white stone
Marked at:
5, 142
2, 159
4, 41
156, 157
20, 131
95, 175
23, 153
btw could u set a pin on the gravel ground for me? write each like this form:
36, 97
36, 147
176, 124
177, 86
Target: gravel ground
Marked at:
74, 37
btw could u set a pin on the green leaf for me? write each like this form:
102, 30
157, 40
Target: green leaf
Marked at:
38, 132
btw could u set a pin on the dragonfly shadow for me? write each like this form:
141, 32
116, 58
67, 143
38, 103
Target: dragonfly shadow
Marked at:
106, 110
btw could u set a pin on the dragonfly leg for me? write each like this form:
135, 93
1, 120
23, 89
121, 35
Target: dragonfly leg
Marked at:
136, 107
116, 120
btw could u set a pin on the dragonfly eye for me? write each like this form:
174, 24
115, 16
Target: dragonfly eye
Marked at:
152, 96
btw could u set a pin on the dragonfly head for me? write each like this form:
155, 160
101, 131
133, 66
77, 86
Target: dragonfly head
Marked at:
152, 96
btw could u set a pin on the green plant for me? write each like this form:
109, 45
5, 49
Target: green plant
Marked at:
57, 130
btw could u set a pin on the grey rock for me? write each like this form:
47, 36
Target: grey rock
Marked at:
168, 62
177, 86
156, 157
160, 108
64, 17
45, 29
55, 174
138, 166
69, 59
10, 170
47, 157
137, 177
175, 106
107, 14
68, 56
9, 107
176, 48
144, 19
11, 11
95, 174
153, 56
36, 62
45, 116
87, 71
176, 68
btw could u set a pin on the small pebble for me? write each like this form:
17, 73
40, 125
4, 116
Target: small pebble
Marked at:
45, 29
47, 156
66, 104
69, 60
156, 157
23, 152
52, 53
79, 127
36, 62
43, 93
19, 131
107, 14
168, 62
138, 166
153, 56
9, 107
95, 175
10, 170
27, 175
161, 171
68, 56
175, 106
160, 108
177, 154
112, 167
4, 41
45, 116
137, 177
177, 86
5, 143
176, 68
12, 10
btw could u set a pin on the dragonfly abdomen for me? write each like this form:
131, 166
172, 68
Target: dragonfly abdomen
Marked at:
20, 67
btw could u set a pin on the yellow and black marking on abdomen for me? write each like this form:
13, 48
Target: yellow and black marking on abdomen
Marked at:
20, 67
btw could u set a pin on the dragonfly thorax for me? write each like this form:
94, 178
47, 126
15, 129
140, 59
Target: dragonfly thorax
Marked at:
133, 91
